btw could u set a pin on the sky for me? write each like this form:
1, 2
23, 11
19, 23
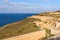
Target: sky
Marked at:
28, 6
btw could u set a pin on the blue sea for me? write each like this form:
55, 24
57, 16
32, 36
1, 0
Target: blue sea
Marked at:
10, 18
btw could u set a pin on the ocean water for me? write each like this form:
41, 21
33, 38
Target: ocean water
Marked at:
10, 18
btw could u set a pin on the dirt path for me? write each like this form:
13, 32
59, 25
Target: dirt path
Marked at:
30, 36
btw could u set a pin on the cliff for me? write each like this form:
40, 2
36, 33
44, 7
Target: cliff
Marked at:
47, 21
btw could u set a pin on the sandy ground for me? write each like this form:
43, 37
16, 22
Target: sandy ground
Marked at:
44, 18
55, 13
30, 36
49, 25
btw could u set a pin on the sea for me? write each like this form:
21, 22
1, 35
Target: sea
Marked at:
13, 17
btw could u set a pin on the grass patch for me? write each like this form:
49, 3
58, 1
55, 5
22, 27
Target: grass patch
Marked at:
21, 27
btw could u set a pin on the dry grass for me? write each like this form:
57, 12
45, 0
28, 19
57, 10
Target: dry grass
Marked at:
21, 27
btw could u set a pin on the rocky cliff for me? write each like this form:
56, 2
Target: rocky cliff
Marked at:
47, 21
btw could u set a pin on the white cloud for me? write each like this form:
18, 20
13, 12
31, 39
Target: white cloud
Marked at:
1, 7
12, 4
20, 7
6, 1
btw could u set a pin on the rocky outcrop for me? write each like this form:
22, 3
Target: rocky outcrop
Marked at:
56, 37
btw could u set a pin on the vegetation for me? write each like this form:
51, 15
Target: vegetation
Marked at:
50, 15
48, 34
19, 28
25, 26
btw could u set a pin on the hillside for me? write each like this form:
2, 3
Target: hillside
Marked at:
18, 28
48, 21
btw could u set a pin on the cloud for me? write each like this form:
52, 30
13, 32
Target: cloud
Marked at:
6, 1
1, 7
27, 5
20, 7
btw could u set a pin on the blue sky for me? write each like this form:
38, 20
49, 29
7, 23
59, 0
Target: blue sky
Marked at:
28, 6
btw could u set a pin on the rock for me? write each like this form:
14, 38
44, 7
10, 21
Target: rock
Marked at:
56, 37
